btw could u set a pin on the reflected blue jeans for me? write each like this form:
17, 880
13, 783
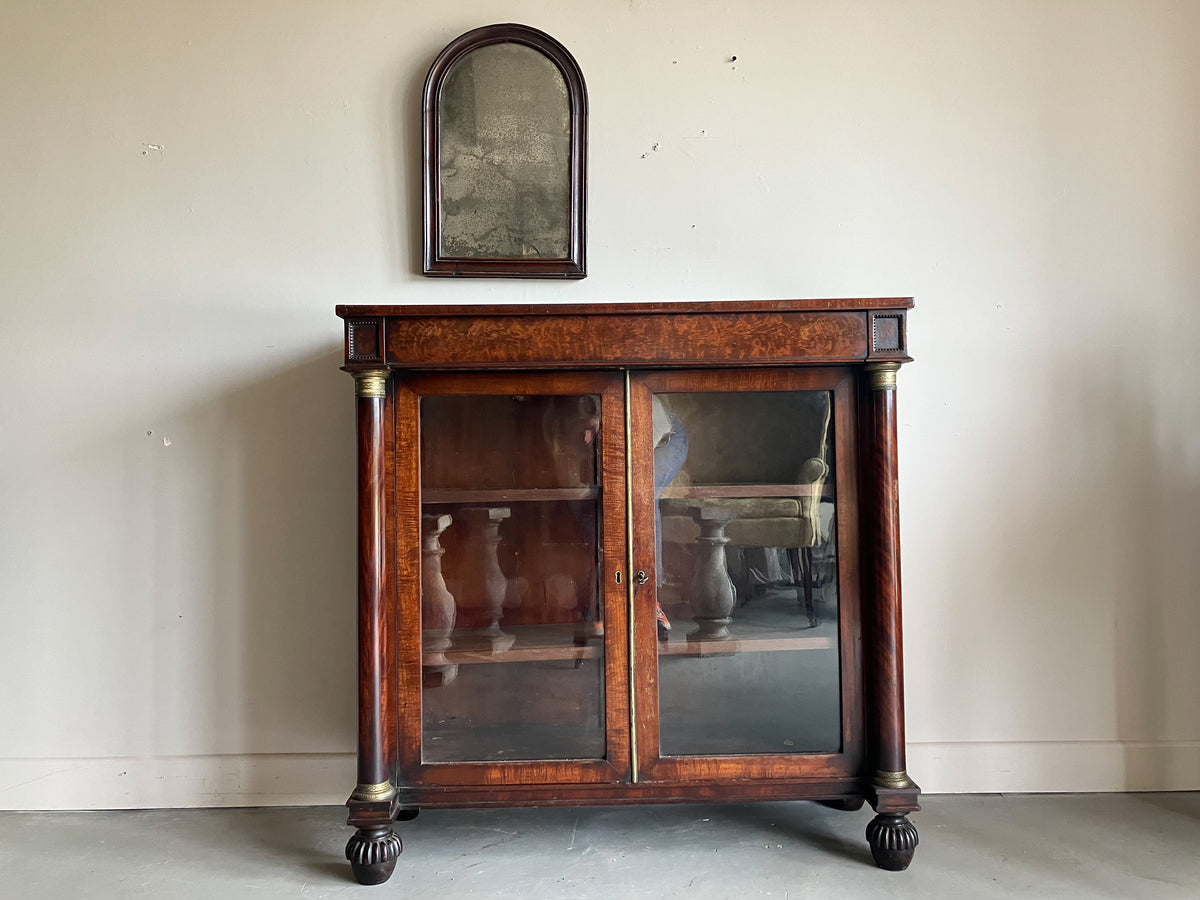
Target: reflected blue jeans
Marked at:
669, 458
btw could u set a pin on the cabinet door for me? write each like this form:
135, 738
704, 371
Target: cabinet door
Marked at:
514, 635
745, 520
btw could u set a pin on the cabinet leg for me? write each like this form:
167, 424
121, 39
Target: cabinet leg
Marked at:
373, 853
893, 841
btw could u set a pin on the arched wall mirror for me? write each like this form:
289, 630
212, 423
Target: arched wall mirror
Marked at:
505, 129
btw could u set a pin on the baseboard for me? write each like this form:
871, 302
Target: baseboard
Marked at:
173, 782
1037, 767
327, 779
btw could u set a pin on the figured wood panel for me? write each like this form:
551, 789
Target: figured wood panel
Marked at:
518, 772
406, 546
614, 542
678, 339
887, 658
733, 768
819, 787
645, 657
392, 564
373, 640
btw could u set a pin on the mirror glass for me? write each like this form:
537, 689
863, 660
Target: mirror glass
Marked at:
504, 154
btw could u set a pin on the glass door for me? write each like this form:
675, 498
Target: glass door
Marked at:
522, 668
744, 499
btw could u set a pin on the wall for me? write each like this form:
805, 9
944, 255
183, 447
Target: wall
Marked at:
190, 187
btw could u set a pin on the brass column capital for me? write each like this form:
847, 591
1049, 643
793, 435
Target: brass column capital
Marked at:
375, 792
371, 383
882, 375
892, 780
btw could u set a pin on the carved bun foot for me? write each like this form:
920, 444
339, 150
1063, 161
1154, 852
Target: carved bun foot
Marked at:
373, 853
893, 841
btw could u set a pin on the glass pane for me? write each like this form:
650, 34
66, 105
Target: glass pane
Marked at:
512, 632
504, 156
747, 580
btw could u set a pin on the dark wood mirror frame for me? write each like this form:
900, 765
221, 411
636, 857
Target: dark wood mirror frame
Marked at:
570, 265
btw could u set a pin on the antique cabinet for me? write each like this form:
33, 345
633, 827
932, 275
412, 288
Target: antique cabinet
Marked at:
628, 553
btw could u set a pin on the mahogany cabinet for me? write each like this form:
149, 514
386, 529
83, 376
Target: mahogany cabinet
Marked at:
628, 553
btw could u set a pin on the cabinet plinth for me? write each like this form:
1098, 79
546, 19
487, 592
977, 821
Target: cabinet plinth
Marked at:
628, 553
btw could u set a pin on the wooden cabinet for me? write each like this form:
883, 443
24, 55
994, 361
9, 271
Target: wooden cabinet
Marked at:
621, 553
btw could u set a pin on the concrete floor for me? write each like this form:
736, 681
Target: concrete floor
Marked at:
1059, 846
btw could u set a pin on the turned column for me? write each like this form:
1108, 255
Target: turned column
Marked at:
484, 583
438, 611
712, 593
892, 837
373, 849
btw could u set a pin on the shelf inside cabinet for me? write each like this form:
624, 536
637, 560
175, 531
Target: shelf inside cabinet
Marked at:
770, 621
532, 643
752, 645
754, 631
494, 496
746, 491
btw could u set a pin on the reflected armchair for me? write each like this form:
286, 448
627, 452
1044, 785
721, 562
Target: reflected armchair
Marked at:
738, 486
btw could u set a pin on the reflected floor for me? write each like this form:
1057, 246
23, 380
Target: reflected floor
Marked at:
772, 687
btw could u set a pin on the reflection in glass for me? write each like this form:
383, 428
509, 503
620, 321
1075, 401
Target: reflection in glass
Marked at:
747, 573
505, 123
512, 643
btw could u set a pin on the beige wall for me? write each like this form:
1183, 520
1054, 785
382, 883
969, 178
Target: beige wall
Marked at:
187, 188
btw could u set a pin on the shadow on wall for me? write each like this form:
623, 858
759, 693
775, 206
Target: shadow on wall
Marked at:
1078, 567
405, 168
1145, 424
254, 569
1122, 552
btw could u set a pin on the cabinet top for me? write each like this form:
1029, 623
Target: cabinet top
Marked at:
656, 335
348, 311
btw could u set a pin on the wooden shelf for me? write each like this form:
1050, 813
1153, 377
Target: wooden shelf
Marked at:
541, 643
518, 655
530, 643
749, 645
495, 496
770, 623
747, 491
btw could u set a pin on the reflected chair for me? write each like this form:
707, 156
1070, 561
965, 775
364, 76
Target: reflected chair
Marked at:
773, 499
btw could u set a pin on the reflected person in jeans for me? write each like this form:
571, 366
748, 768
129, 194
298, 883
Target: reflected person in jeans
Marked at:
670, 453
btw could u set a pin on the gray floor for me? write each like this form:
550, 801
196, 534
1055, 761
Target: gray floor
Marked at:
1111, 845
